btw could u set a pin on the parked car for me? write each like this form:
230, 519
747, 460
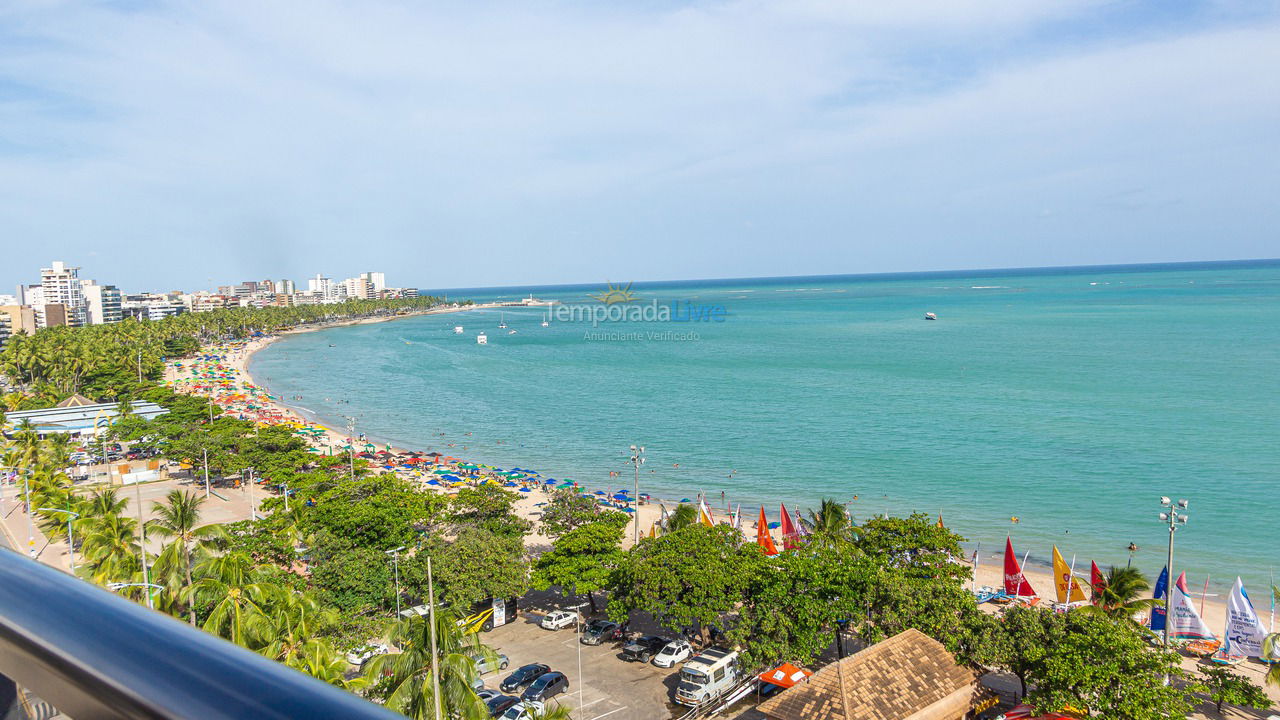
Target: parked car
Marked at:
672, 653
486, 665
415, 611
361, 655
599, 631
707, 676
558, 619
644, 648
499, 704
547, 686
524, 710
523, 675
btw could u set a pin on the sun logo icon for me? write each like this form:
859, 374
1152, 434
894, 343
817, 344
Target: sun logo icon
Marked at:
618, 294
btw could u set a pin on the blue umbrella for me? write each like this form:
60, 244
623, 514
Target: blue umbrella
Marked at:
774, 525
525, 490
550, 482
600, 492
620, 496
685, 500
631, 510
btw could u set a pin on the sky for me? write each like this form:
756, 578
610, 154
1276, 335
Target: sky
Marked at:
163, 145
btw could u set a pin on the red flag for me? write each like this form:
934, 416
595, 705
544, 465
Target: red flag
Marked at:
763, 538
788, 530
1015, 583
1096, 582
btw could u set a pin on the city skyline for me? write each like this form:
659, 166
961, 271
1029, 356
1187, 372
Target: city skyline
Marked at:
670, 141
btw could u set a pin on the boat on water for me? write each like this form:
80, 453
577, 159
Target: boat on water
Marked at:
502, 320
457, 329
546, 324
930, 316
511, 332
482, 339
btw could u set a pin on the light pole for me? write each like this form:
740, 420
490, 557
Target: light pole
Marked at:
395, 560
351, 433
26, 504
248, 485
206, 472
1174, 519
577, 626
435, 657
637, 459
142, 546
71, 546
286, 496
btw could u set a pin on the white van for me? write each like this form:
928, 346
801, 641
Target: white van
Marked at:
706, 676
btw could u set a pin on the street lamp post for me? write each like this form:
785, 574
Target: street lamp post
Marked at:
1174, 518
637, 459
154, 588
395, 561
577, 625
206, 472
435, 657
71, 546
248, 484
142, 545
26, 504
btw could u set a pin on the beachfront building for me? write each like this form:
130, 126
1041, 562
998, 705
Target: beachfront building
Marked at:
376, 280
910, 675
284, 287
60, 285
102, 303
4, 330
358, 289
19, 318
78, 417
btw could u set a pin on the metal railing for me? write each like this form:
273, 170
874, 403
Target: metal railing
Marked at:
93, 654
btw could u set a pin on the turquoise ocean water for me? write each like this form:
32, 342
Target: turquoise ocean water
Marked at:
1072, 399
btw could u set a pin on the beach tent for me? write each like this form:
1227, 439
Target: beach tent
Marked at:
785, 675
1024, 712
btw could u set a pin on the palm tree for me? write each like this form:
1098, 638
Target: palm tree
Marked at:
291, 623
682, 517
102, 502
830, 523
178, 518
1118, 596
319, 659
409, 671
230, 584
110, 548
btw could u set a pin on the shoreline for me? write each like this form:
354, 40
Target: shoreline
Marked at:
989, 570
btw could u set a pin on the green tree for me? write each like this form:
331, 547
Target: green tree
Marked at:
582, 559
916, 545
1103, 665
683, 516
406, 675
489, 508
568, 509
354, 580
830, 523
179, 518
379, 512
478, 564
1225, 686
692, 577
1120, 596
229, 585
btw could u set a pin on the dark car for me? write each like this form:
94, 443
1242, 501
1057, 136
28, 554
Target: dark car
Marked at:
546, 686
599, 631
644, 648
523, 675
498, 704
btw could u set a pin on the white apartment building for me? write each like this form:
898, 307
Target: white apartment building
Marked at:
358, 288
102, 303
61, 286
377, 280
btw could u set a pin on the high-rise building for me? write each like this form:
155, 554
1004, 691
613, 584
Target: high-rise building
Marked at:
61, 286
102, 303
284, 287
377, 280
358, 288
21, 318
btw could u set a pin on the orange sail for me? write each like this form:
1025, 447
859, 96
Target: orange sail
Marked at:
763, 538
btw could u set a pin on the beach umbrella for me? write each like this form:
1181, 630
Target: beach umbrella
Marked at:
628, 510
525, 490
685, 500
433, 481
600, 492
550, 482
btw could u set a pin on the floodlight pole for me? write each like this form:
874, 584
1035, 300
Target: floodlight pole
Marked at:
395, 560
637, 459
71, 546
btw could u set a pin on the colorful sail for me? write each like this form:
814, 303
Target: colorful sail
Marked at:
789, 540
1096, 581
1066, 585
1015, 583
704, 514
940, 521
1245, 631
1157, 613
653, 531
1187, 623
763, 538
737, 517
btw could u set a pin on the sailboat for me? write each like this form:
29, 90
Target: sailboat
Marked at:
1244, 632
482, 339
457, 329
789, 540
502, 320
546, 319
1015, 582
763, 538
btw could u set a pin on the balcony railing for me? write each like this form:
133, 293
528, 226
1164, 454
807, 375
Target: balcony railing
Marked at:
93, 654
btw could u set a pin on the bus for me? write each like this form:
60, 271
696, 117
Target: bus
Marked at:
488, 614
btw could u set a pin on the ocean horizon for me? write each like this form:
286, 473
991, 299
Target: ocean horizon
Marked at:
1068, 398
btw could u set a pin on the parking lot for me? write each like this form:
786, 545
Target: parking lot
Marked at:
606, 687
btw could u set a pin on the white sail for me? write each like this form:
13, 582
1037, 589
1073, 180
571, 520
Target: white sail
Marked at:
1244, 630
1187, 623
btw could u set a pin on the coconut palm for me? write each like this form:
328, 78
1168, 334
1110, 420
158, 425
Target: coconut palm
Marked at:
178, 518
110, 549
230, 584
291, 623
830, 523
409, 671
682, 517
319, 659
102, 502
1119, 595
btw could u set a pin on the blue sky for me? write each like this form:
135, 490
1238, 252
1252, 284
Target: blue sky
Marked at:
162, 144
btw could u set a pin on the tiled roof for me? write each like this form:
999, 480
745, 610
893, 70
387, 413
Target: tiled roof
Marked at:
76, 400
910, 675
